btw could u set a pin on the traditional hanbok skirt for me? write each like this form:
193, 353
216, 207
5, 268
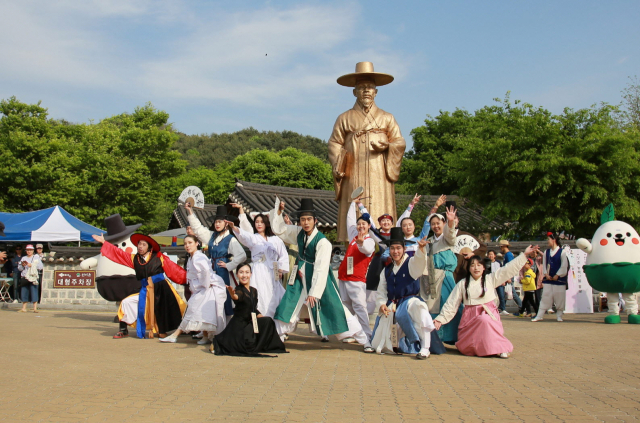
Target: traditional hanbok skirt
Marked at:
205, 310
271, 291
480, 333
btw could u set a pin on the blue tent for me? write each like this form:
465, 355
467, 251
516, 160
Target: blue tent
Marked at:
54, 224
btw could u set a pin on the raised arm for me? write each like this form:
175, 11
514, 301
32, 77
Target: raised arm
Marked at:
418, 263
408, 210
245, 225
352, 231
450, 232
512, 268
287, 233
203, 234
248, 239
116, 255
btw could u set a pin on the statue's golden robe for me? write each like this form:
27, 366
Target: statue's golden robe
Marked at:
370, 147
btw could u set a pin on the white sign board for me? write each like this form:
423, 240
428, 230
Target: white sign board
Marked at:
579, 294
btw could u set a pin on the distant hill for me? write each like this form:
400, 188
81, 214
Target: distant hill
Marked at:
212, 149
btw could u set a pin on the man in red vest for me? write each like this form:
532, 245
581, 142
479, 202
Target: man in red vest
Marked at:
352, 274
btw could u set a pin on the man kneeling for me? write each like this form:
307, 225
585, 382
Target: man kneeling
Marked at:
399, 302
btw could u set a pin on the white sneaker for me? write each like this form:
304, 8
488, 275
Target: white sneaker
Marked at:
559, 317
550, 311
537, 319
504, 312
199, 335
503, 355
349, 340
169, 339
423, 354
203, 341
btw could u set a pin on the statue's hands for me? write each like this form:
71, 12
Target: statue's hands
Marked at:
380, 144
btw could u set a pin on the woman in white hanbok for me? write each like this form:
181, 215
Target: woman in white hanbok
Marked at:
269, 259
205, 309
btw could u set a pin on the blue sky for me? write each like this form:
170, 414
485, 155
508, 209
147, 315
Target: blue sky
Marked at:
224, 66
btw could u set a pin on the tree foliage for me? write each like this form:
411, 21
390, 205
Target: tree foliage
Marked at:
213, 149
527, 165
631, 102
92, 170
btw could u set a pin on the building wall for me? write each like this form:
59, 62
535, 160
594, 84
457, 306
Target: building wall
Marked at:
75, 299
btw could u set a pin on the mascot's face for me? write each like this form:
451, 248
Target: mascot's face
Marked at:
615, 242
126, 245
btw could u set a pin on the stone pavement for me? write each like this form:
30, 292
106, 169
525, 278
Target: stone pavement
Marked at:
64, 367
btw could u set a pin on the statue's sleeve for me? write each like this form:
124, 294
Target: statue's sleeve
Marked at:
336, 144
397, 145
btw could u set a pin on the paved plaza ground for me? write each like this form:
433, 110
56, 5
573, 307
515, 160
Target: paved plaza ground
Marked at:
63, 366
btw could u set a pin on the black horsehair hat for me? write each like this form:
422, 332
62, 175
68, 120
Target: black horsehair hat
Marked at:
117, 229
221, 213
306, 206
397, 237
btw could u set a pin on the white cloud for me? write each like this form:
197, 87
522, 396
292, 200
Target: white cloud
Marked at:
212, 56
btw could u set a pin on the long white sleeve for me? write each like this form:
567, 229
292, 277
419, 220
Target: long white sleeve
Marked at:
406, 213
203, 234
238, 255
321, 268
381, 296
283, 256
417, 264
202, 268
287, 233
508, 271
452, 305
352, 230
368, 247
450, 235
244, 223
248, 239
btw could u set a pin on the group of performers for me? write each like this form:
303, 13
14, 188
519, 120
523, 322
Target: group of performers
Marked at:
244, 309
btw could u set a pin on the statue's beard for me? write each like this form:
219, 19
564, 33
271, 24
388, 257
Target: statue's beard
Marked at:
366, 102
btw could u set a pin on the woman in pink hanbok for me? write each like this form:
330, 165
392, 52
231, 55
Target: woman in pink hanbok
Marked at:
480, 332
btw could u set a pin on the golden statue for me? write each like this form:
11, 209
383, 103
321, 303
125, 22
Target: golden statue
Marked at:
365, 148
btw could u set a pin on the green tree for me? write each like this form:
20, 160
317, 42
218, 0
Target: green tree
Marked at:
424, 168
546, 171
288, 168
631, 102
115, 166
213, 149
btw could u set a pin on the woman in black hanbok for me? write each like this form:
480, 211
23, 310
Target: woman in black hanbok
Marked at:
239, 337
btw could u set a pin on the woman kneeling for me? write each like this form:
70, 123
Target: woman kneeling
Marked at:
243, 336
480, 332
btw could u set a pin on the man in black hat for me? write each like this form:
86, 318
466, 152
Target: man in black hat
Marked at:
312, 283
399, 301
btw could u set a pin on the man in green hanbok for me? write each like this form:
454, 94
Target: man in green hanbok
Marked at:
312, 287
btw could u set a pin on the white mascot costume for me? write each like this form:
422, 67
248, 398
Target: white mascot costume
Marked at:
114, 281
613, 264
